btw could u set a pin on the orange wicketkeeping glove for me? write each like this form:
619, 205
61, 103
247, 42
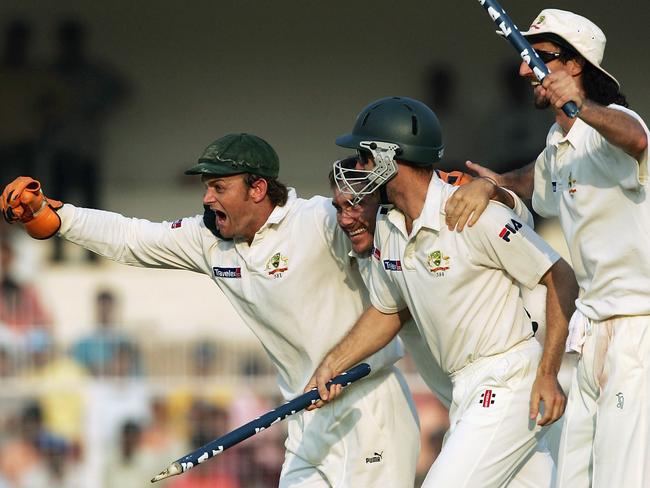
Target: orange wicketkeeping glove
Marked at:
23, 201
454, 178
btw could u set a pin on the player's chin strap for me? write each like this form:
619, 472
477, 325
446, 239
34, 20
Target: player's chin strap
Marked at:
383, 196
359, 183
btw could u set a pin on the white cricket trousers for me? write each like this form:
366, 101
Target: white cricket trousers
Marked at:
491, 436
606, 437
368, 437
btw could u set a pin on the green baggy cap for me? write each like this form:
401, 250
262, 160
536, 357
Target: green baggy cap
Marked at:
238, 153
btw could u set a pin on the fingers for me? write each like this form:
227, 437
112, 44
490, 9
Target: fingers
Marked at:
457, 211
481, 170
553, 409
20, 199
534, 404
560, 88
320, 381
467, 204
332, 394
480, 208
474, 167
462, 219
554, 403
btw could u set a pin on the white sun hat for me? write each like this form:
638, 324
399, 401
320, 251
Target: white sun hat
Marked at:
585, 37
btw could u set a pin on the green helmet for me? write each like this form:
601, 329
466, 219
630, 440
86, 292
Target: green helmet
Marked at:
389, 129
409, 123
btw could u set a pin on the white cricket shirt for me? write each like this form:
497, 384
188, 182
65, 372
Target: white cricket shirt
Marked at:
294, 286
434, 377
462, 288
600, 195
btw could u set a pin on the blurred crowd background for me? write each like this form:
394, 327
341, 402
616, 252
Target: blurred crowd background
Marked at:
107, 373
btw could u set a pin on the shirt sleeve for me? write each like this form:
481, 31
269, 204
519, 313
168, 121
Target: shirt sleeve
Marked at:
138, 242
520, 209
385, 295
622, 168
502, 240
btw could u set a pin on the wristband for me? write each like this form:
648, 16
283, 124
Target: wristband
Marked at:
491, 180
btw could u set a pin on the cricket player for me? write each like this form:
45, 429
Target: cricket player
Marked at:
462, 290
358, 222
283, 263
593, 175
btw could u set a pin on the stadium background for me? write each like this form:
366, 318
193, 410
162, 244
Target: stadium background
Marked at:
176, 365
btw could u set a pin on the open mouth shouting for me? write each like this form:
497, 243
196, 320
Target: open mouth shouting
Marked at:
221, 217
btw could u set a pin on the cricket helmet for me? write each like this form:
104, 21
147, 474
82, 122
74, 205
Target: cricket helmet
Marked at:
390, 128
409, 123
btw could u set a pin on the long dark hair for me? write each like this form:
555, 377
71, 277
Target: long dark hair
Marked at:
597, 85
601, 88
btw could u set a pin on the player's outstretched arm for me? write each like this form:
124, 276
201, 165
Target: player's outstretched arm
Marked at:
373, 330
23, 201
562, 290
467, 204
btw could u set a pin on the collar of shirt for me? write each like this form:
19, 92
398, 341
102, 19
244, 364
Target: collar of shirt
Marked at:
355, 255
276, 215
430, 216
575, 136
280, 212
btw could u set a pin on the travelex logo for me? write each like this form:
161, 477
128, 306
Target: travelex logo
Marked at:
220, 272
510, 228
392, 265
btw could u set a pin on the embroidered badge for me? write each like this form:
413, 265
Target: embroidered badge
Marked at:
510, 228
572, 185
487, 398
277, 265
177, 223
438, 263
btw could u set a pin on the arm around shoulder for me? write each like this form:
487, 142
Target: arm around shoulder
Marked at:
469, 201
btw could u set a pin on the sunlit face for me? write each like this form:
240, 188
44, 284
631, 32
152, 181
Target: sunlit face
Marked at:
229, 198
547, 51
357, 221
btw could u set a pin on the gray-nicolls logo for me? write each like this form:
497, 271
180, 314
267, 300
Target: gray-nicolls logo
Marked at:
376, 458
620, 400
